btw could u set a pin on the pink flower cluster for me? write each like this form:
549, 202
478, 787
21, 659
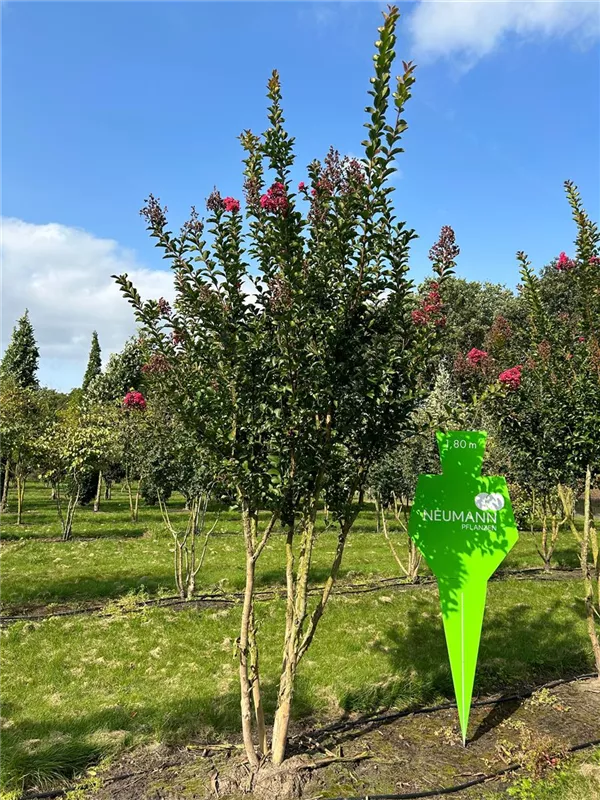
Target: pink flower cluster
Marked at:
595, 261
511, 378
134, 399
231, 204
564, 263
476, 356
431, 308
275, 199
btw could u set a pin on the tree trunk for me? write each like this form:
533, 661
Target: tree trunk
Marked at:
5, 486
107, 488
20, 495
67, 522
98, 490
591, 611
256, 693
137, 501
247, 614
297, 640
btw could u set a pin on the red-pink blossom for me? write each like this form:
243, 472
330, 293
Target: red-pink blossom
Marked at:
419, 317
511, 378
275, 199
431, 308
134, 399
476, 356
301, 186
231, 204
564, 263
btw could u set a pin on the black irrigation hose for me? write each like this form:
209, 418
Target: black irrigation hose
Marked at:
271, 594
460, 786
371, 719
382, 718
405, 796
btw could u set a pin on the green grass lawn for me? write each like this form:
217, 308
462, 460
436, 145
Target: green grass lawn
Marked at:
576, 779
76, 689
110, 555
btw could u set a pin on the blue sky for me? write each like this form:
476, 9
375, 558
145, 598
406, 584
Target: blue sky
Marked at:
106, 102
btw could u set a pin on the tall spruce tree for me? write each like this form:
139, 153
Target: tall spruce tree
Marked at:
94, 366
21, 358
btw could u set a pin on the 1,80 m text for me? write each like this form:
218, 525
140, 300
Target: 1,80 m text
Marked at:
463, 443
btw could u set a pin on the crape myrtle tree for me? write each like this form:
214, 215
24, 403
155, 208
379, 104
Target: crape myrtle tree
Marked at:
122, 373
475, 312
393, 478
133, 434
551, 404
298, 375
174, 456
531, 438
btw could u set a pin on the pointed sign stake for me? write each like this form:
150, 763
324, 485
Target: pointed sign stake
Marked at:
463, 524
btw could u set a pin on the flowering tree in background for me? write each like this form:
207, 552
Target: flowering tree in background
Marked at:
393, 479
551, 409
295, 378
133, 430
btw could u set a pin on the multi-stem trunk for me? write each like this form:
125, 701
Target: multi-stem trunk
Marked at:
413, 560
66, 519
98, 490
134, 500
5, 486
300, 630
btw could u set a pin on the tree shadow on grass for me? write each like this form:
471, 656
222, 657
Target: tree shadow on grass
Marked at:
42, 753
30, 535
518, 649
87, 589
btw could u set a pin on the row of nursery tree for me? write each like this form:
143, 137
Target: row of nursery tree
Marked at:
299, 367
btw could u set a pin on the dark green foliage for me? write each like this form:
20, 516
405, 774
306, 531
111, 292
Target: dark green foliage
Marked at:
94, 366
122, 373
88, 486
20, 361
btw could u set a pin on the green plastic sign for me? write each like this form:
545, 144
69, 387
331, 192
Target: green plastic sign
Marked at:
463, 524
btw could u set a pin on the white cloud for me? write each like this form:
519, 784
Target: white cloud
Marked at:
62, 275
472, 29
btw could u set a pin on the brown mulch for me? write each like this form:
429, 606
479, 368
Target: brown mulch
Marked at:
418, 752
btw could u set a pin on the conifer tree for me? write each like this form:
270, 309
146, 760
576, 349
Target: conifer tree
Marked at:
21, 358
94, 365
